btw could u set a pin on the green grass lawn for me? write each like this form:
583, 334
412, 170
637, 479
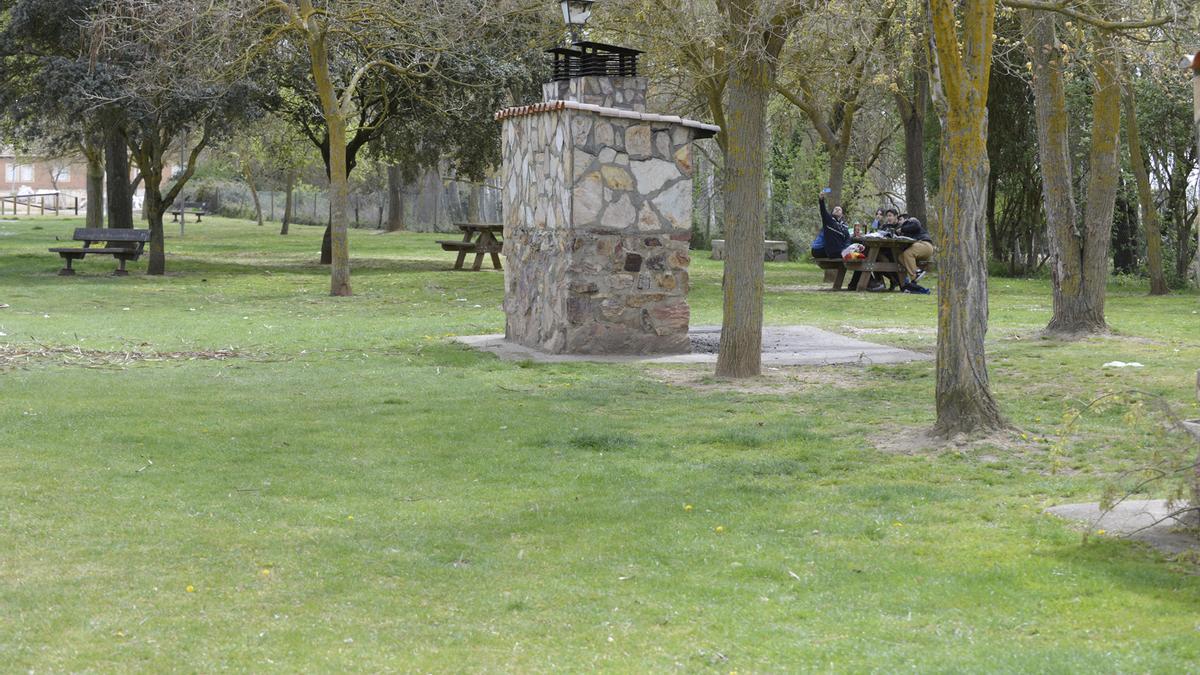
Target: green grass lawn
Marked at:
350, 490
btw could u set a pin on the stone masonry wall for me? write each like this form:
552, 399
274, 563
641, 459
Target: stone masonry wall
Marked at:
537, 242
597, 224
626, 93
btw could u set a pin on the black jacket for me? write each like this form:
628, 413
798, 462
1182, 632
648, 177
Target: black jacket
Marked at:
913, 229
837, 235
832, 223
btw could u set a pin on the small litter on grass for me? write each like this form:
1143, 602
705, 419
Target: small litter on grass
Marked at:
1122, 364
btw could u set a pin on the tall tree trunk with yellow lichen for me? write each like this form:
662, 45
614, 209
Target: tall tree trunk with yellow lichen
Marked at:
755, 32
1078, 254
961, 45
740, 353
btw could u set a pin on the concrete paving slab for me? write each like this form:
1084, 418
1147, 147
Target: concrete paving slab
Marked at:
1146, 520
782, 346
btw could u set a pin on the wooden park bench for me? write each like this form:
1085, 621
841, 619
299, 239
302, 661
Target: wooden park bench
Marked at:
478, 239
197, 209
122, 244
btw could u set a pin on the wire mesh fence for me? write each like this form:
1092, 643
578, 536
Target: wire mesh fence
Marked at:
430, 206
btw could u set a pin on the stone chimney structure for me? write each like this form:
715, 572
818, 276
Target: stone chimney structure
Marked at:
597, 219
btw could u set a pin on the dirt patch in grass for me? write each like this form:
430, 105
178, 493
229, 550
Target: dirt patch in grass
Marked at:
851, 330
774, 380
987, 447
19, 356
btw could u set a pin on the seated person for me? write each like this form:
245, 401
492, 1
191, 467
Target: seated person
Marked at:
878, 221
834, 235
891, 220
920, 250
818, 243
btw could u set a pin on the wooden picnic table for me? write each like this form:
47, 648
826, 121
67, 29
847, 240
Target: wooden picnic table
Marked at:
872, 263
478, 238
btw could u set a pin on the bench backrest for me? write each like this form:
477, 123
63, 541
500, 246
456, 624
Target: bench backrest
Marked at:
111, 234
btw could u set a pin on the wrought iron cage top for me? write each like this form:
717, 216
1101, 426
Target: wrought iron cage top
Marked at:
594, 58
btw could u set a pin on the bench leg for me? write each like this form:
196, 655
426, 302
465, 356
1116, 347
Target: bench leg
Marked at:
462, 257
496, 261
478, 261
121, 271
837, 280
67, 271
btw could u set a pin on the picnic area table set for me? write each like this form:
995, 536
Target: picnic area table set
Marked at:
478, 238
875, 243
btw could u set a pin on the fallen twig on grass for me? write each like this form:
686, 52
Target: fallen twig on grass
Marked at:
16, 356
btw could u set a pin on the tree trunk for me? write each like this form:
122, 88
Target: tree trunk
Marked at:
428, 201
339, 183
1125, 229
1104, 168
993, 235
1177, 206
249, 178
395, 215
837, 173
963, 394
914, 169
327, 245
913, 114
287, 201
95, 184
474, 212
154, 206
1150, 220
116, 166
964, 399
1078, 309
740, 350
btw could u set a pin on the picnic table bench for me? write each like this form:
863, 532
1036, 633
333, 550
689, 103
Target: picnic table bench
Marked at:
197, 209
872, 264
479, 239
122, 244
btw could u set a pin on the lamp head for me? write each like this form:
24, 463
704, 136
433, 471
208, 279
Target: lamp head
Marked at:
576, 12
